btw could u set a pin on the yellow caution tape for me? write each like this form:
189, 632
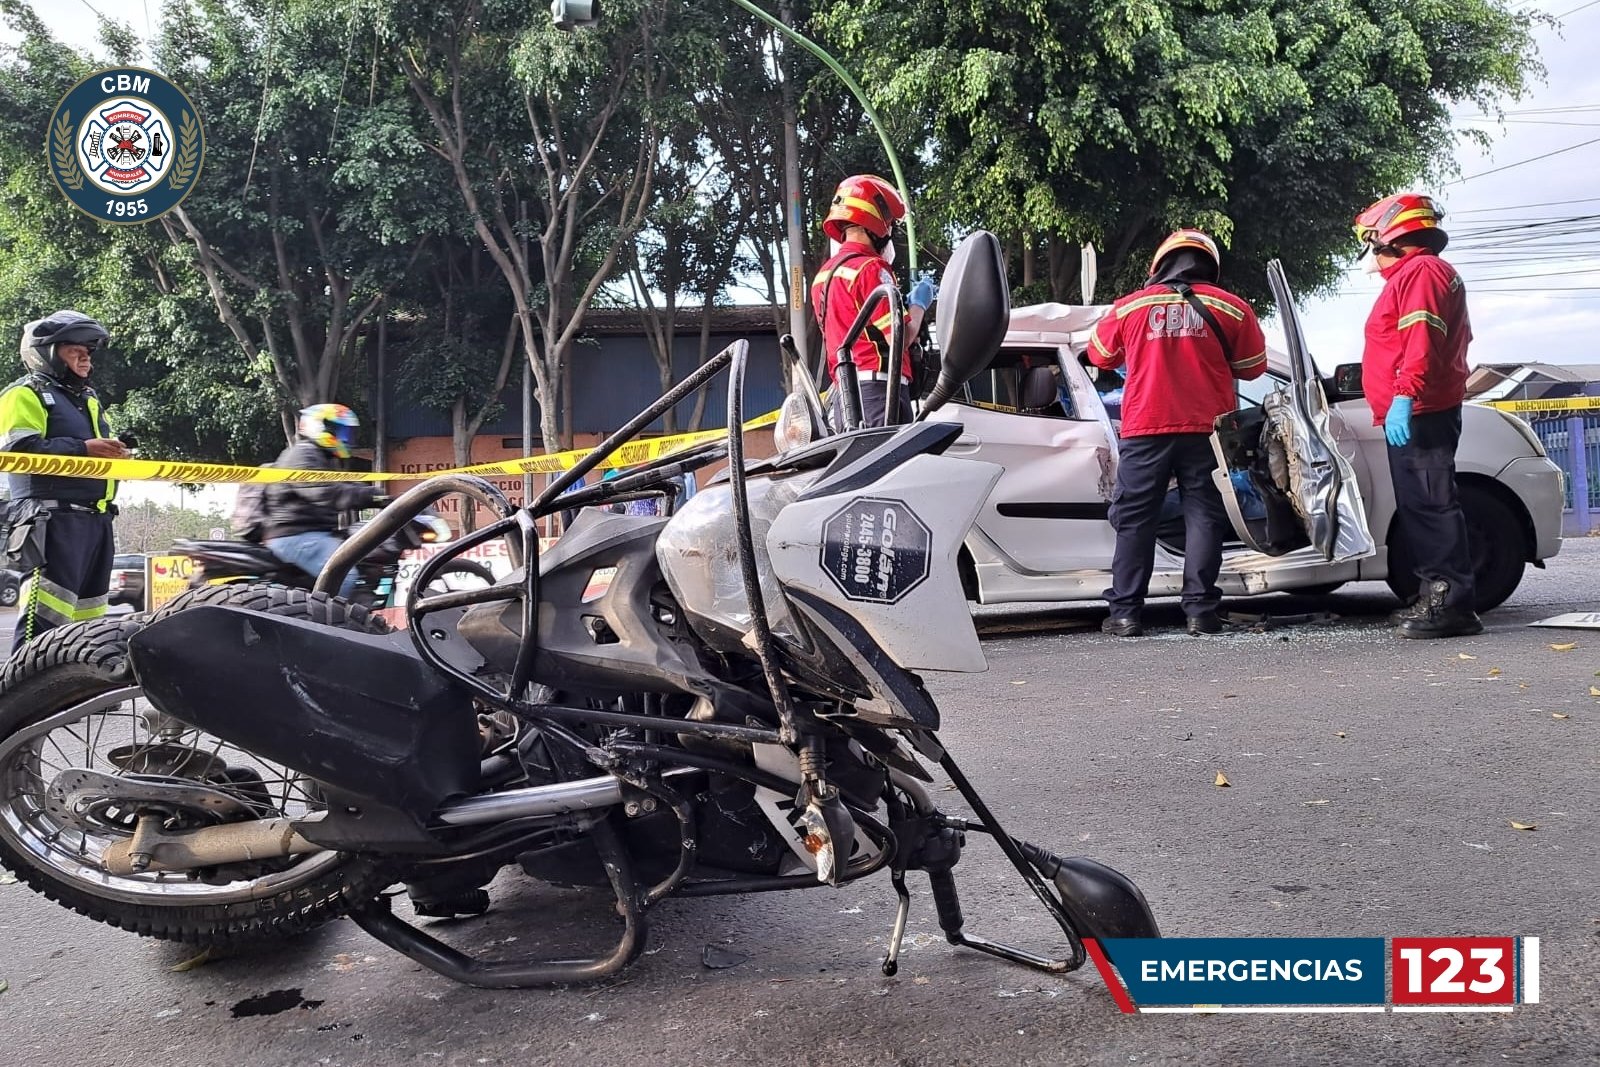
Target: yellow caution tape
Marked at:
1566, 403
149, 470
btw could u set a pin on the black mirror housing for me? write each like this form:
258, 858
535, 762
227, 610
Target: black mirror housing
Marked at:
974, 314
1345, 384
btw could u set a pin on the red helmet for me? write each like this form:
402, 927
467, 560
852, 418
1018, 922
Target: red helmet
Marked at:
864, 200
1396, 216
1186, 239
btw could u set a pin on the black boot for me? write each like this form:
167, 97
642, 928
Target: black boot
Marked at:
1437, 620
1416, 608
1205, 622
1123, 626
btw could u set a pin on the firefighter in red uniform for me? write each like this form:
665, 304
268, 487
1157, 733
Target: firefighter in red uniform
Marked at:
860, 225
1414, 373
1183, 341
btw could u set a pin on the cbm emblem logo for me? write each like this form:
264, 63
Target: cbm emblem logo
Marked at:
125, 145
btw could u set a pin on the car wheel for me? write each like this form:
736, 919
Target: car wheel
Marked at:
9, 594
1496, 540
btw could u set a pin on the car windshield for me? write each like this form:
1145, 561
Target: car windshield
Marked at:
126, 562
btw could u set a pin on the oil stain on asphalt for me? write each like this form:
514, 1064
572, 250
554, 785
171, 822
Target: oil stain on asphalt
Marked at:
272, 1003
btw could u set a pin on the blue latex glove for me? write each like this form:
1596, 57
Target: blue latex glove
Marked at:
1397, 424
924, 291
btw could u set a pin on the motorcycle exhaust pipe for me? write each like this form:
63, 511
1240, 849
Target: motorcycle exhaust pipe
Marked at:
272, 838
210, 847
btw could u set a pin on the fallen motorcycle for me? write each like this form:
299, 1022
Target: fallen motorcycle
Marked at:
377, 572
725, 701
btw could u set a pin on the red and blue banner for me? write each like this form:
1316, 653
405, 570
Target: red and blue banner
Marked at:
1318, 974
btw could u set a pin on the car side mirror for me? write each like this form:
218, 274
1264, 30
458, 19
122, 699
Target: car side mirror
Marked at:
1347, 382
974, 314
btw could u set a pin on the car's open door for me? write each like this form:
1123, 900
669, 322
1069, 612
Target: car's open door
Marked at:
1283, 480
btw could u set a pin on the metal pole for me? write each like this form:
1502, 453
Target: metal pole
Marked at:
527, 374
527, 429
1578, 450
792, 207
380, 451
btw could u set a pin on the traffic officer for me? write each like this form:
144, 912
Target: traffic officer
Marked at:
1182, 341
1414, 374
860, 226
61, 536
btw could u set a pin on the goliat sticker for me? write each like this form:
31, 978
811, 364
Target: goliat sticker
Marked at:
875, 549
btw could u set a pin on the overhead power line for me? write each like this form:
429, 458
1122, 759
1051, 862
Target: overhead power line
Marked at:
1530, 159
1521, 207
1574, 11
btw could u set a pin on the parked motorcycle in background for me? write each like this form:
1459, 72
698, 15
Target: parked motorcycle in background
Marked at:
728, 700
377, 573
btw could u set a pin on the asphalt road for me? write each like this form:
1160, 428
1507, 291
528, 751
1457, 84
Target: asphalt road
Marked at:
1374, 782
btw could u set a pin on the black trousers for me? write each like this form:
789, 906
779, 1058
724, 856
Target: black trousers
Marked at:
874, 401
1428, 506
76, 576
1145, 466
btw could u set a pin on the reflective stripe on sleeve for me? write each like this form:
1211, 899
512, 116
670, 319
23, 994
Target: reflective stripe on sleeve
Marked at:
1415, 318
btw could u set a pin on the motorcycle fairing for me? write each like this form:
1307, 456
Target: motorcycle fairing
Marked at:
360, 712
918, 616
603, 635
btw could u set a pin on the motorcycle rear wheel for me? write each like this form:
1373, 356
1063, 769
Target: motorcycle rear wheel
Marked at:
79, 676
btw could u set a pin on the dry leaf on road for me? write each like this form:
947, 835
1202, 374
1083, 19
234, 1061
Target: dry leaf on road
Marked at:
1463, 655
192, 962
1559, 715
1515, 825
1494, 672
1222, 780
1568, 647
1594, 691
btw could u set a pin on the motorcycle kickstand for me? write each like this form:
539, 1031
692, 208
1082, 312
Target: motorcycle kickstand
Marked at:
891, 961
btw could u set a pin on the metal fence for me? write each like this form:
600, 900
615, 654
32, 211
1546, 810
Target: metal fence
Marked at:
1573, 442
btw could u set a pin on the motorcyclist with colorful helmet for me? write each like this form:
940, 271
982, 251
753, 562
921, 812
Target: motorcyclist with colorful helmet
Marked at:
860, 229
302, 523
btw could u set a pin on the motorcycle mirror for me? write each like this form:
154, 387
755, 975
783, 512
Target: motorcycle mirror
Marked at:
974, 314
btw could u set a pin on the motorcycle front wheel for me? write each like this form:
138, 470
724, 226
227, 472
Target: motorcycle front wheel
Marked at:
69, 704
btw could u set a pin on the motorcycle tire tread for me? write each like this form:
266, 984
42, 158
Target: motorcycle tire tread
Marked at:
93, 655
322, 608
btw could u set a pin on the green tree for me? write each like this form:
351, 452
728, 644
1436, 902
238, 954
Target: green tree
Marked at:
1268, 122
460, 342
170, 374
314, 200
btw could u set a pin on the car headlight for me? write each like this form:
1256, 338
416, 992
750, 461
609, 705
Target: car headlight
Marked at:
793, 428
1527, 433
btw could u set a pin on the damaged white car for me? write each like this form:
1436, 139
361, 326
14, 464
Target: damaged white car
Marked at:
1303, 473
